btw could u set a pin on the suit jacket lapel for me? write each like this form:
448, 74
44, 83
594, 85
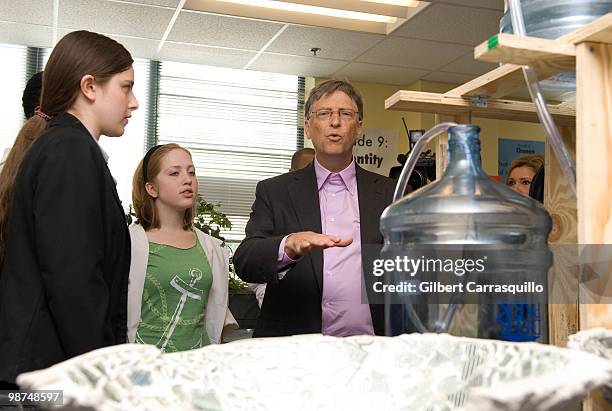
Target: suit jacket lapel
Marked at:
371, 200
304, 195
371, 204
113, 185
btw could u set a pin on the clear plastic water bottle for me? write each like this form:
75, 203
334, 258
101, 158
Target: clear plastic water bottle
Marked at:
473, 214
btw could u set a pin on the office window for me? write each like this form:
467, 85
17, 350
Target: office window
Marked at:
13, 78
240, 126
22, 62
126, 151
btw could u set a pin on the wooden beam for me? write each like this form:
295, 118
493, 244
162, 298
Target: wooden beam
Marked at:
598, 31
508, 48
499, 109
496, 83
502, 81
509, 77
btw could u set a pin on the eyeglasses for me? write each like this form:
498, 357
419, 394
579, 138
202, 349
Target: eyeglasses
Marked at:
343, 113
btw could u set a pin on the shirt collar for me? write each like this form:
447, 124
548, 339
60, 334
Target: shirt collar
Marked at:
104, 154
348, 175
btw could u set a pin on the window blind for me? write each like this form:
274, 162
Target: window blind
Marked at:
125, 152
13, 78
240, 126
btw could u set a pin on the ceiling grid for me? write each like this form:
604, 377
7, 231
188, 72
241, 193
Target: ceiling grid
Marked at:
434, 43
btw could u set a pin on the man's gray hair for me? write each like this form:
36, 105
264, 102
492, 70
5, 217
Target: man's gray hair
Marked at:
329, 87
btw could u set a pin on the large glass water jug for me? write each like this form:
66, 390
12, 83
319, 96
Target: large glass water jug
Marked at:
461, 215
550, 19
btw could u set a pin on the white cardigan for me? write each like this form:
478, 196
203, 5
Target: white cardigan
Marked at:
218, 318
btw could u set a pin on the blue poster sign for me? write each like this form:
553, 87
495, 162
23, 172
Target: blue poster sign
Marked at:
508, 150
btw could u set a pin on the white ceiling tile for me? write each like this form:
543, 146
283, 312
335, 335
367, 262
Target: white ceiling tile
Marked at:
413, 53
297, 65
373, 73
208, 56
334, 44
486, 4
453, 24
164, 3
222, 31
27, 11
142, 48
467, 65
26, 34
453, 78
117, 18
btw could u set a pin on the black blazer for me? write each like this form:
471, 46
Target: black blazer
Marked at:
287, 204
63, 284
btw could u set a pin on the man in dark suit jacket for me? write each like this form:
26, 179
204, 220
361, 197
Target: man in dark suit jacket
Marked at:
306, 230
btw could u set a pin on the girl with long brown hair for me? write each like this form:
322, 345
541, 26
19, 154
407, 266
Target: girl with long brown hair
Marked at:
64, 244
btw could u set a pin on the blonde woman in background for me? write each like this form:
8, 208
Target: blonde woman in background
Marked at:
521, 172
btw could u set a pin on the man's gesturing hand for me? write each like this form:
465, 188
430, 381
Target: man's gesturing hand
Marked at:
298, 244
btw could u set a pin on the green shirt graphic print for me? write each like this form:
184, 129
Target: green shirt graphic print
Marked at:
174, 297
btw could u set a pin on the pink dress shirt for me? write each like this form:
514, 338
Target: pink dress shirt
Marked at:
343, 312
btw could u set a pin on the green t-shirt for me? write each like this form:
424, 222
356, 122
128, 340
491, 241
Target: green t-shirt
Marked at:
176, 289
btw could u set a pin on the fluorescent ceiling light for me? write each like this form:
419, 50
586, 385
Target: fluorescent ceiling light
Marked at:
404, 3
323, 11
369, 16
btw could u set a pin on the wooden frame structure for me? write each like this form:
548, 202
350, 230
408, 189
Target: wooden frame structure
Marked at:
586, 127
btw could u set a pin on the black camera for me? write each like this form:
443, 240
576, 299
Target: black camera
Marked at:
424, 170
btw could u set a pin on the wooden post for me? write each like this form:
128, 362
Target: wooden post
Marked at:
441, 144
592, 46
594, 177
561, 205
594, 127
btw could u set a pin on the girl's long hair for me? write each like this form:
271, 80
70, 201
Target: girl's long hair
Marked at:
77, 54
